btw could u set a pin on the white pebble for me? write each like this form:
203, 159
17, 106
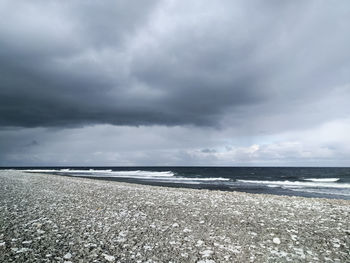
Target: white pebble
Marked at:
67, 256
23, 250
109, 258
206, 261
206, 253
199, 243
276, 240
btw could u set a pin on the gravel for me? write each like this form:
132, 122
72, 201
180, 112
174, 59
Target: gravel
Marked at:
49, 218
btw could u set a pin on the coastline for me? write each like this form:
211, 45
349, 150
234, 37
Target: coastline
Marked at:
46, 218
330, 183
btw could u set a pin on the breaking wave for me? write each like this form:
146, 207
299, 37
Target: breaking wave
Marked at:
135, 174
322, 180
300, 184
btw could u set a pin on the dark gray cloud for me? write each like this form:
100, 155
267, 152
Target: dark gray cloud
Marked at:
169, 63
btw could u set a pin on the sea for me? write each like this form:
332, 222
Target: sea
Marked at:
292, 181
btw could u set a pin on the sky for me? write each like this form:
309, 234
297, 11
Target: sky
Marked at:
207, 83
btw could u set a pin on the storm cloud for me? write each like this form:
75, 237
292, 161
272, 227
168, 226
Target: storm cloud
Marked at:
229, 69
171, 63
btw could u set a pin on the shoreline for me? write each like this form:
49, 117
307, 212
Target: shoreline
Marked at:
303, 182
47, 218
267, 191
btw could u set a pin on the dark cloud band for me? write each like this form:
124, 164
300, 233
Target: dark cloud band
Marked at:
81, 63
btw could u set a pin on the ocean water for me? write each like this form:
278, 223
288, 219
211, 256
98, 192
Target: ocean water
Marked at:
293, 181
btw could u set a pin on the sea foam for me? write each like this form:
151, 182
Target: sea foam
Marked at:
297, 183
167, 176
322, 180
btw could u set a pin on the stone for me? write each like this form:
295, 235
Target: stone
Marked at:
67, 256
276, 240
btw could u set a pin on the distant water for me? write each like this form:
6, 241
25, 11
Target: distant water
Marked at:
297, 181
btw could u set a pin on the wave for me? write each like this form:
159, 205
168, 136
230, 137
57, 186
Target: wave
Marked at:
64, 171
322, 191
199, 179
83, 171
322, 180
297, 184
39, 171
142, 173
107, 173
167, 176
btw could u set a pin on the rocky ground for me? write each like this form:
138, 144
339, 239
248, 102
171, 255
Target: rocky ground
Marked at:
47, 218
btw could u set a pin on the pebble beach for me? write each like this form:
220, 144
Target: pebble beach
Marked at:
50, 218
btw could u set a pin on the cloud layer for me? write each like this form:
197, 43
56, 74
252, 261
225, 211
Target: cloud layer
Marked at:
167, 63
324, 145
237, 70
